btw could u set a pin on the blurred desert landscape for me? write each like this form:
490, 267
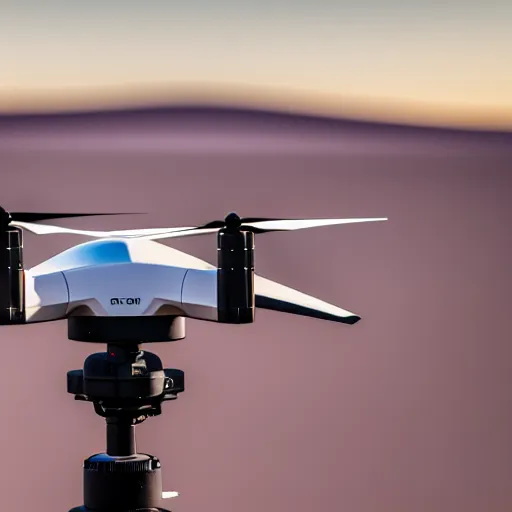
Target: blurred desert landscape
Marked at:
407, 411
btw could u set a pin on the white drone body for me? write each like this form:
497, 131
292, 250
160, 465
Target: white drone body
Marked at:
121, 277
128, 275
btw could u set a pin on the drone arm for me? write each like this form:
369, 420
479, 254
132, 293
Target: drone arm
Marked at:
201, 299
277, 297
231, 293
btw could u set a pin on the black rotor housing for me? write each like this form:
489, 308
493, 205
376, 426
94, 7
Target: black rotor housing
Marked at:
12, 276
235, 276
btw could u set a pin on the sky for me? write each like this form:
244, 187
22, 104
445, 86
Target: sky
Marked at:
443, 62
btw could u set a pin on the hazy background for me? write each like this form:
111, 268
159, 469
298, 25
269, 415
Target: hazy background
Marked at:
442, 62
407, 411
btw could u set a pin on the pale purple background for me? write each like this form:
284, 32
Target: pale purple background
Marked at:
408, 411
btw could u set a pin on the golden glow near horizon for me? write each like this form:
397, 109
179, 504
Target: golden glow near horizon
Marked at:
433, 63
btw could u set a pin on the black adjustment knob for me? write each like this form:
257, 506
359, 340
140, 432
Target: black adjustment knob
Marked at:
122, 483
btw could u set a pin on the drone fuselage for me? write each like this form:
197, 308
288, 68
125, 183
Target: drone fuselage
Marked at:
121, 278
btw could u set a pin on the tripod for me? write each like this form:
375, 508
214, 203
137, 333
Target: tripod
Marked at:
126, 386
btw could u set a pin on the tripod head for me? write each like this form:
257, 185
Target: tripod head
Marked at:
126, 385
125, 381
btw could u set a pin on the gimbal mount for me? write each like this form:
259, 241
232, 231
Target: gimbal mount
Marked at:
126, 385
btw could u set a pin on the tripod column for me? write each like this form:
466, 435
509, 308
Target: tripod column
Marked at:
120, 437
122, 479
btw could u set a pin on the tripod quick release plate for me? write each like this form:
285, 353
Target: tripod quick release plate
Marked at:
125, 379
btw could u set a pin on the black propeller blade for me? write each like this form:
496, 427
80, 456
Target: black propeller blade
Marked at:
6, 217
233, 221
35, 216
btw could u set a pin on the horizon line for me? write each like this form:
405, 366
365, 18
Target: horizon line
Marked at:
302, 114
145, 97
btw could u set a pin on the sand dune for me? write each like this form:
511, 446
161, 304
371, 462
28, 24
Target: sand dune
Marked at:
184, 129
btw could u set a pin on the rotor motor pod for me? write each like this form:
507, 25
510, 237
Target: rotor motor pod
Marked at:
235, 276
12, 276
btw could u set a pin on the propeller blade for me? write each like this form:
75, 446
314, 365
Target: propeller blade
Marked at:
277, 297
255, 224
263, 226
36, 216
180, 233
295, 224
214, 224
46, 229
234, 216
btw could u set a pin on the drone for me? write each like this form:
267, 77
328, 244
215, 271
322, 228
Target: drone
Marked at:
128, 282
124, 288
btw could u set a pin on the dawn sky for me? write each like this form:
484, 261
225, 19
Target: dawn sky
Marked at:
441, 59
